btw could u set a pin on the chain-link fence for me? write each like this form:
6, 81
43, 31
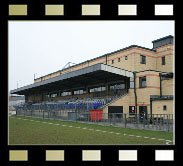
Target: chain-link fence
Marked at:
163, 122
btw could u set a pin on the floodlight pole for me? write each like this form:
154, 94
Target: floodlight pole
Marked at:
35, 76
17, 83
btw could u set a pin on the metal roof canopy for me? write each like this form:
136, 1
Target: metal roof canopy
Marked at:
99, 73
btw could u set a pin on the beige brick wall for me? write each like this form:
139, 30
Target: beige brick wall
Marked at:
153, 61
157, 107
153, 88
125, 101
168, 52
168, 87
34, 98
133, 62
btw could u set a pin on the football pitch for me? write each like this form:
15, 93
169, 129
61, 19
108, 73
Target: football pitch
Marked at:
36, 131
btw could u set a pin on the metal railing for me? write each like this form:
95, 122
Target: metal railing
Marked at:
162, 122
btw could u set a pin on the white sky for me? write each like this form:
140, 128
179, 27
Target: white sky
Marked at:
44, 47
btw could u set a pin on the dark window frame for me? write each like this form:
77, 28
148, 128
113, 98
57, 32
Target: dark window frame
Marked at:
126, 57
142, 59
119, 59
163, 60
164, 107
112, 61
141, 80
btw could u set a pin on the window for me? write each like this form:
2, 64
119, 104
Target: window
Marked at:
53, 95
142, 59
97, 89
142, 82
164, 108
112, 61
163, 60
126, 57
117, 86
118, 59
65, 93
78, 92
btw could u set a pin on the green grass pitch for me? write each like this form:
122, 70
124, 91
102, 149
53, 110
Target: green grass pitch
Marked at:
36, 131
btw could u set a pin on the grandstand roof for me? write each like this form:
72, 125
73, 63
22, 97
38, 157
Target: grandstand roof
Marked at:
95, 74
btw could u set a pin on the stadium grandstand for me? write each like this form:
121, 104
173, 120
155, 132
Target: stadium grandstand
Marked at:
133, 80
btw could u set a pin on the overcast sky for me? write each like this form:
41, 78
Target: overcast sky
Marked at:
44, 47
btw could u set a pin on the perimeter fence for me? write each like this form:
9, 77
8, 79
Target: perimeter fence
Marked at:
162, 122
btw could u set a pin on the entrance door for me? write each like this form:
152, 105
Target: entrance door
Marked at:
142, 112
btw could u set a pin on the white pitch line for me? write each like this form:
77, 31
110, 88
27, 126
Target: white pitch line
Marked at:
161, 139
167, 141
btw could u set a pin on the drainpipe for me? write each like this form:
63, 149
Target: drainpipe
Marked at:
134, 73
160, 84
151, 107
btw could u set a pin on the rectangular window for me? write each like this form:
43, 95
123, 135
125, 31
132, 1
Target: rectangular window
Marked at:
142, 59
112, 61
164, 108
91, 90
118, 59
65, 93
126, 57
142, 82
163, 60
78, 92
53, 95
97, 89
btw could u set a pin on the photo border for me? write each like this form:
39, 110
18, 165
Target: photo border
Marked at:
109, 153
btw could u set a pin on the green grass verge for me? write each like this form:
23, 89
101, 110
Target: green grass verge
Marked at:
31, 132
